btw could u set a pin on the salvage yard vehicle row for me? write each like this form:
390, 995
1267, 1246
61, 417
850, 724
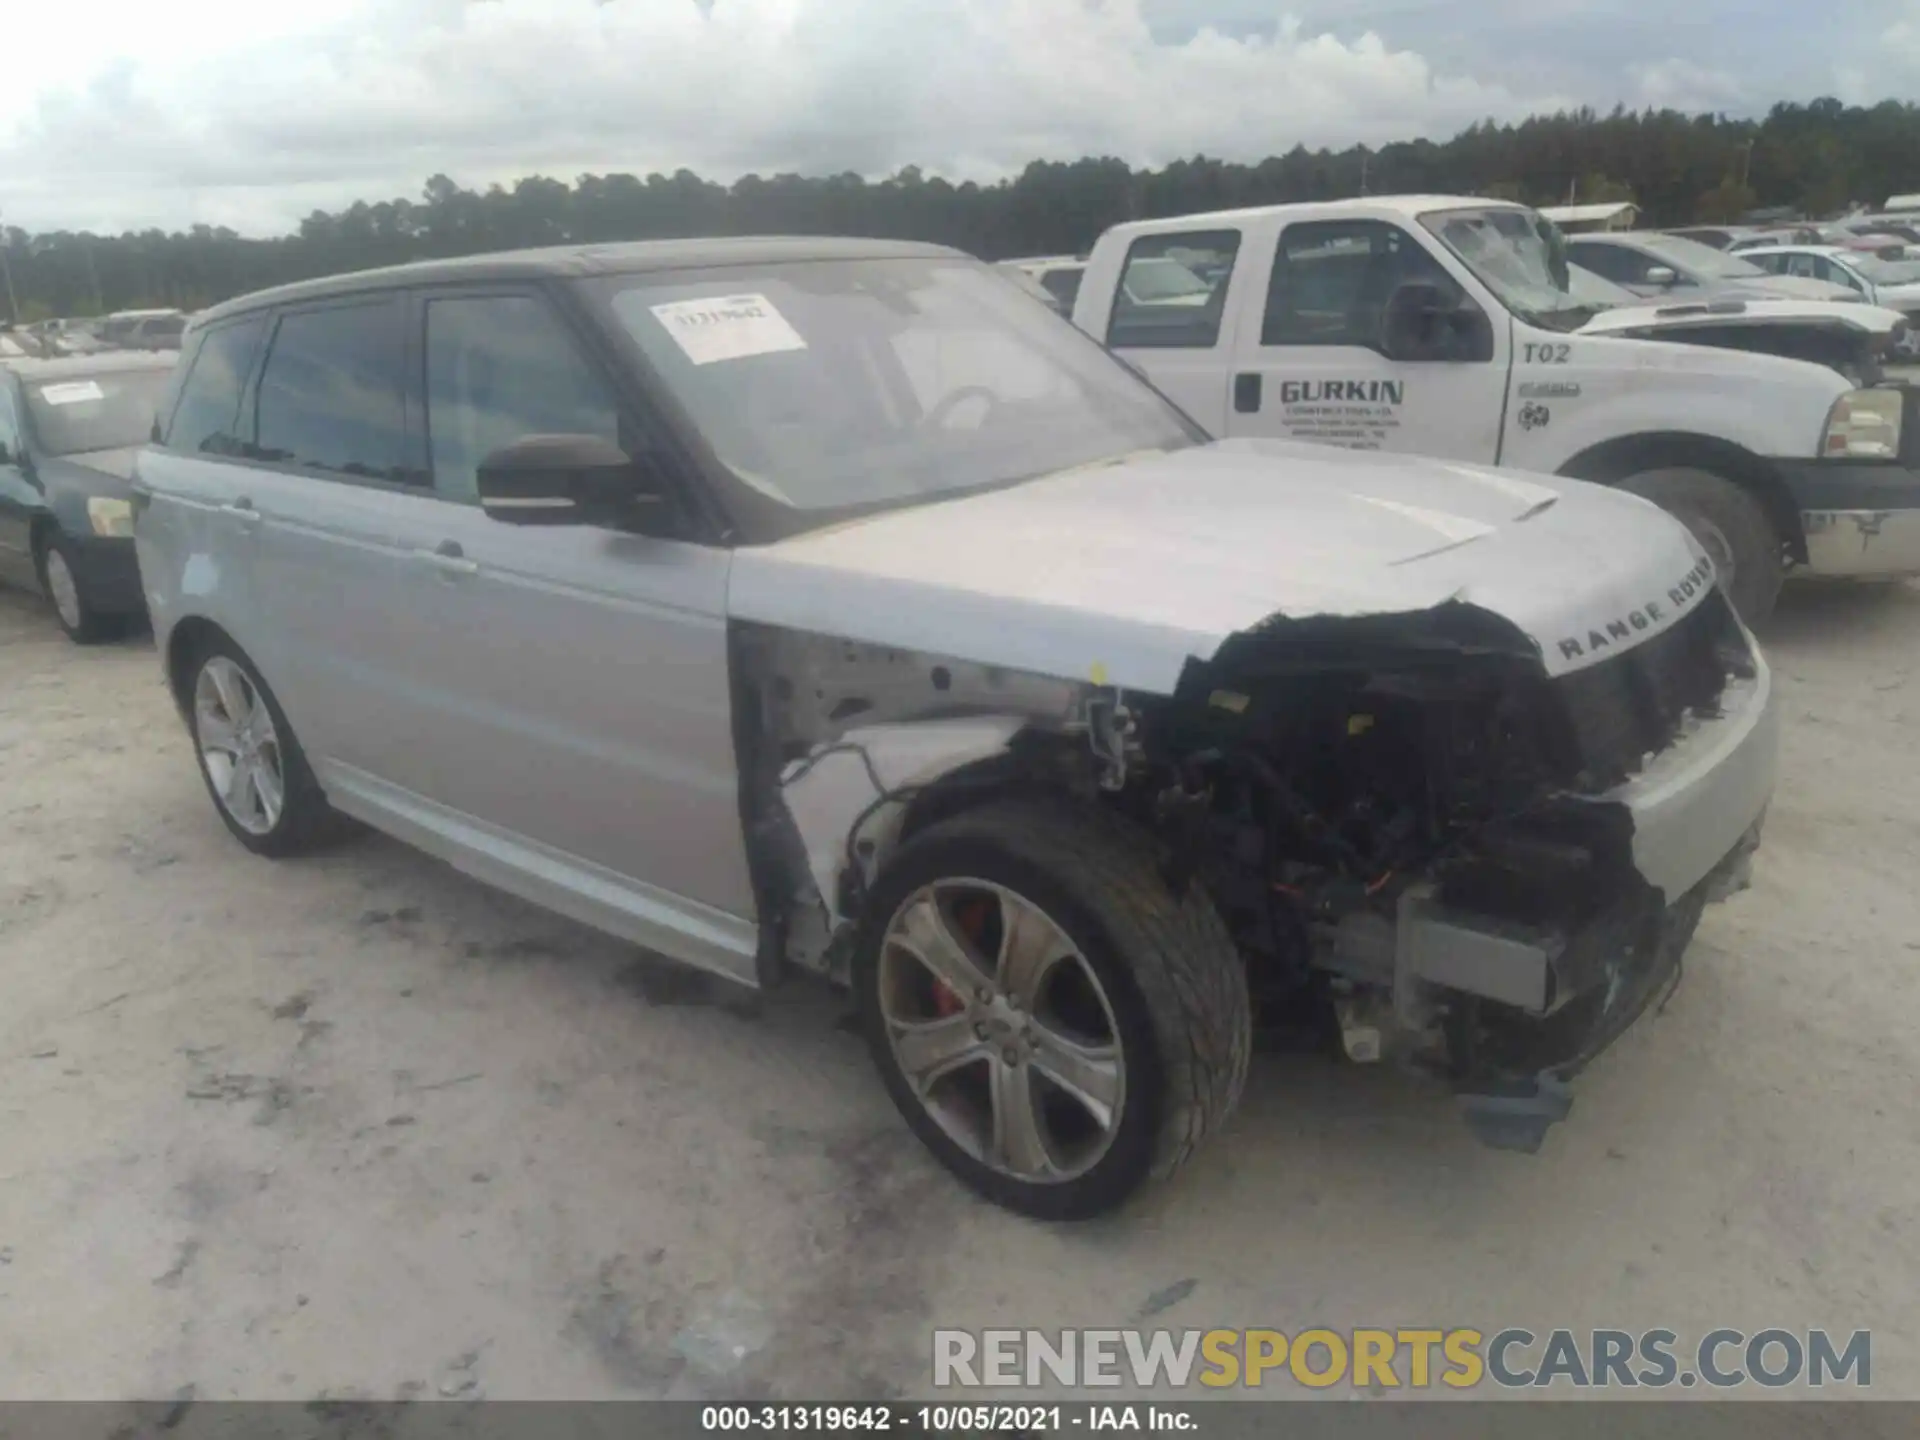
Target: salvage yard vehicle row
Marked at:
1444, 326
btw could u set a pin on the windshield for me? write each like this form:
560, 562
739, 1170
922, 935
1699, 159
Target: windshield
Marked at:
95, 412
1519, 256
830, 388
1691, 257
1597, 291
1886, 272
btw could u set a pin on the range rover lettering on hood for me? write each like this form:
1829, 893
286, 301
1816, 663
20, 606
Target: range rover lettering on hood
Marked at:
1695, 583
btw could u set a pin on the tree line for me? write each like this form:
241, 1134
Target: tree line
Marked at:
1816, 158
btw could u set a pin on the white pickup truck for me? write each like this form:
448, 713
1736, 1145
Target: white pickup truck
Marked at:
1444, 326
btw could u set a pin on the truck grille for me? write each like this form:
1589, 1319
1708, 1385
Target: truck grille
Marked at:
1632, 705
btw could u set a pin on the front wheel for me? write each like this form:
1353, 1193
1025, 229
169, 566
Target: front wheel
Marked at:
1053, 1023
60, 581
1732, 526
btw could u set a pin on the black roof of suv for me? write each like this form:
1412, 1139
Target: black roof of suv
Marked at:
574, 261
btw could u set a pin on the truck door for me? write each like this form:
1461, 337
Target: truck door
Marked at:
1311, 362
1172, 317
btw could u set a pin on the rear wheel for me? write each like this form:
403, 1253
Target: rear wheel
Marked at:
254, 767
1053, 1023
1732, 526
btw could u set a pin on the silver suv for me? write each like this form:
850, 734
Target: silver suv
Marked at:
831, 605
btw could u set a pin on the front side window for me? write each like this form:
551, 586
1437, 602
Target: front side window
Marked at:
500, 367
108, 411
207, 416
1611, 262
833, 388
1173, 291
1332, 280
329, 397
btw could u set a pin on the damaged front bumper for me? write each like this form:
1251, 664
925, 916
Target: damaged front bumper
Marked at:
1524, 1007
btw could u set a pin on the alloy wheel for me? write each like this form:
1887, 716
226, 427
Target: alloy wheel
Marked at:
63, 589
239, 746
1003, 1031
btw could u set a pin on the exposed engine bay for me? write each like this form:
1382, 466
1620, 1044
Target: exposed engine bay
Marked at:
1403, 820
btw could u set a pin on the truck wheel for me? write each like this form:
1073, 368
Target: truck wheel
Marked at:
1052, 1021
1731, 525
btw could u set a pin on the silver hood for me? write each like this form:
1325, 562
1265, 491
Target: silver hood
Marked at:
1121, 574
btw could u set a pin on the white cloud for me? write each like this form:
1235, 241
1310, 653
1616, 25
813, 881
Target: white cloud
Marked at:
1676, 84
234, 112
1889, 64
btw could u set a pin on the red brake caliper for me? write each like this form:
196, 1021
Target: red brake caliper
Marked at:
972, 915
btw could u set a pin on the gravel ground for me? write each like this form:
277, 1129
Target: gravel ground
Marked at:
355, 1126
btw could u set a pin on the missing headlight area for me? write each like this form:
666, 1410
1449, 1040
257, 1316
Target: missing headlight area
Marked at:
1405, 823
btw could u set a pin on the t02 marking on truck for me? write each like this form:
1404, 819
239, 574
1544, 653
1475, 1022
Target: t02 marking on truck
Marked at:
1545, 353
1689, 588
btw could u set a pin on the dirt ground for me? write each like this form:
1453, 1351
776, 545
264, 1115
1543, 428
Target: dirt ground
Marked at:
356, 1126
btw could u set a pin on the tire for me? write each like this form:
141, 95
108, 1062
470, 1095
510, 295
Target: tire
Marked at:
1732, 526
60, 583
1172, 986
303, 819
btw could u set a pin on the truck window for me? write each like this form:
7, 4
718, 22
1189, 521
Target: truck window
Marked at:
1173, 290
1332, 279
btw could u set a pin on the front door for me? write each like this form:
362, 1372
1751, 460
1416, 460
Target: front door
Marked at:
1316, 370
575, 679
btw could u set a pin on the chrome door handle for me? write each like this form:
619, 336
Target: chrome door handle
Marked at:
450, 560
243, 511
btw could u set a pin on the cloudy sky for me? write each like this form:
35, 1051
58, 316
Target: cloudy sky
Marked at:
250, 113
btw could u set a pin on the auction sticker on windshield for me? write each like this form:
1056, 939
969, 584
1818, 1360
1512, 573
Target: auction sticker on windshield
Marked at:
727, 327
73, 392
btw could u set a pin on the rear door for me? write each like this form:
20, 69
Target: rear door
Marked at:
1315, 367
341, 504
1173, 316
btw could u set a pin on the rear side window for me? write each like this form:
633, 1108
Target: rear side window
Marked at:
1173, 291
500, 367
1332, 279
1063, 285
330, 396
206, 417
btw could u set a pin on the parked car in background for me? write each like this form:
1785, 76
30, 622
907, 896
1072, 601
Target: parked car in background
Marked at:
1058, 275
1445, 326
1894, 284
1902, 205
143, 329
1661, 266
1856, 341
1907, 230
1718, 237
69, 431
857, 615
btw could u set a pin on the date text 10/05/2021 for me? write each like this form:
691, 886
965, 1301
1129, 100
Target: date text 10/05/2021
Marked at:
963, 1419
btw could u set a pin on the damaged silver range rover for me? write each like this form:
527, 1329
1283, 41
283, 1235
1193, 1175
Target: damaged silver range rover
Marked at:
852, 613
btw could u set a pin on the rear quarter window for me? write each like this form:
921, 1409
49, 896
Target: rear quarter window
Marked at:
206, 417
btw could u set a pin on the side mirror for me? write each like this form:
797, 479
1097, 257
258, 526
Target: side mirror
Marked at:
567, 480
1423, 322
1665, 276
